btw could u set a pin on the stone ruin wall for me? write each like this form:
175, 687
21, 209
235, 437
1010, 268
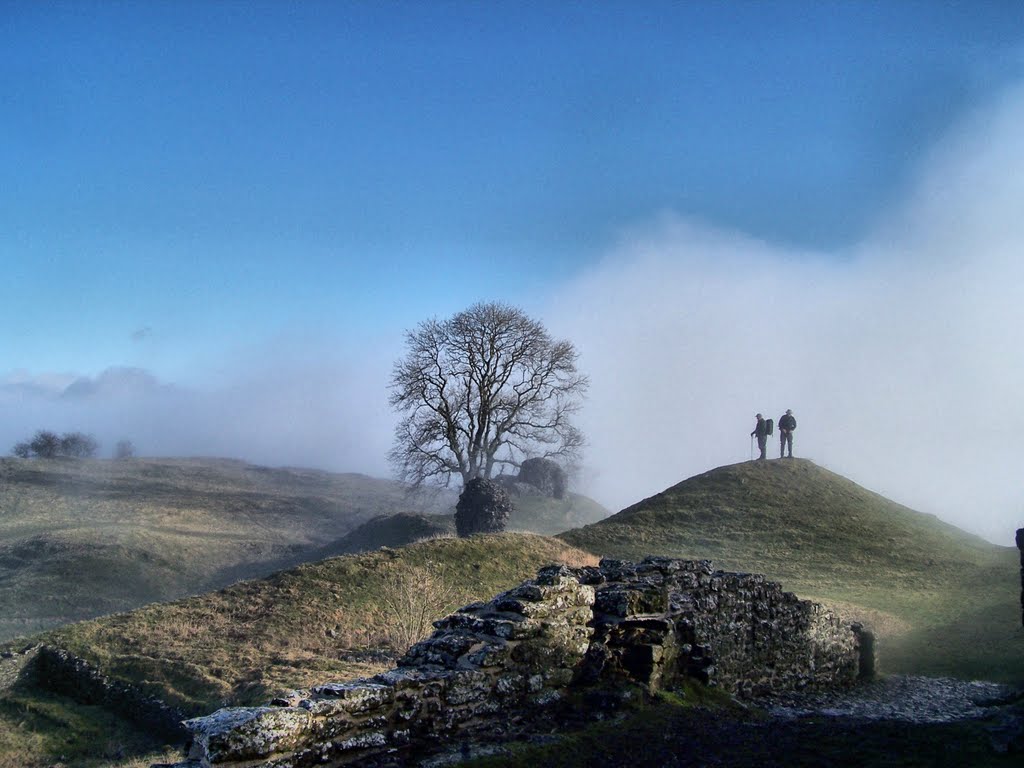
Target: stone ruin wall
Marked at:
491, 668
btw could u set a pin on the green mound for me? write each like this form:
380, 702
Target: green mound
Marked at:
533, 511
316, 622
390, 531
942, 601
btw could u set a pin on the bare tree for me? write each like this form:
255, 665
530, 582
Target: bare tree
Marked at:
480, 390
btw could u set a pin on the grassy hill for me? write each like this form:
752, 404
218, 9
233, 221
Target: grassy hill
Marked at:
242, 645
942, 601
82, 538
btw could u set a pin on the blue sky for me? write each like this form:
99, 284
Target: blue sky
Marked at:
206, 196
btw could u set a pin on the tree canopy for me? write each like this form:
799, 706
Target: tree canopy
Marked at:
49, 445
483, 389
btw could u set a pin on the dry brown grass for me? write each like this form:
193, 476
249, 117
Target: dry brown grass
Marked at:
326, 620
576, 558
410, 598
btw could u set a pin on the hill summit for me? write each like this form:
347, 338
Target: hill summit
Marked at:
934, 595
780, 517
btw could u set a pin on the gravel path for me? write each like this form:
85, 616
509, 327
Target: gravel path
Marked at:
899, 698
892, 722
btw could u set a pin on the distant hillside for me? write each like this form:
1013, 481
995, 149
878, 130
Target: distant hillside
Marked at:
935, 593
81, 538
84, 538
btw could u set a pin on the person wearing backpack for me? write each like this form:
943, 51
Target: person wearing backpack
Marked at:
787, 424
761, 433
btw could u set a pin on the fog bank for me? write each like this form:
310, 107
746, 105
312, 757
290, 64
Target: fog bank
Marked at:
899, 356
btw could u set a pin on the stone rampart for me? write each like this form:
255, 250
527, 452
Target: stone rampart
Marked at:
494, 666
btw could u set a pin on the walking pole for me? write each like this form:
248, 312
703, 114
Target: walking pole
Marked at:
751, 447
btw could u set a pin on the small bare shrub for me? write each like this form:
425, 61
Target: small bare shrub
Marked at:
411, 598
577, 558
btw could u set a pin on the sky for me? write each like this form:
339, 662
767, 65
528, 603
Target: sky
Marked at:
218, 219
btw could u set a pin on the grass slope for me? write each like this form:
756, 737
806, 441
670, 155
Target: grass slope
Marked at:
535, 512
82, 538
244, 644
318, 621
390, 531
942, 601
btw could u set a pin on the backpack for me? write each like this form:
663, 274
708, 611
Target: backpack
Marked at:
769, 426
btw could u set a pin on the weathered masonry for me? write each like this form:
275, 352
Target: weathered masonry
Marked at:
490, 665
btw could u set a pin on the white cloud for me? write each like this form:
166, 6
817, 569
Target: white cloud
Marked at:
271, 407
899, 357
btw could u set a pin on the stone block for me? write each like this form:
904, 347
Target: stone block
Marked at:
467, 686
413, 680
246, 733
356, 697
556, 575
511, 685
629, 600
490, 654
372, 740
443, 649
